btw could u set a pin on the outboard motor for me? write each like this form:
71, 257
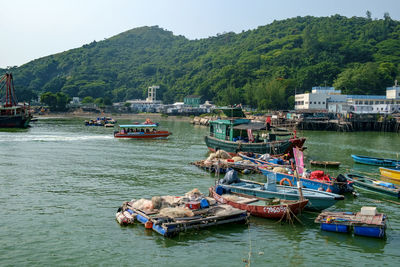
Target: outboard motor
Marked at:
344, 184
230, 178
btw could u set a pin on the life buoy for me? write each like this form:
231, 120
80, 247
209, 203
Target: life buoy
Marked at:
285, 180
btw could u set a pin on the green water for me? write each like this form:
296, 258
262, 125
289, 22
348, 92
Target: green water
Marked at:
62, 182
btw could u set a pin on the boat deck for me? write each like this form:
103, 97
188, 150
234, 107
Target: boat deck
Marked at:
349, 218
167, 226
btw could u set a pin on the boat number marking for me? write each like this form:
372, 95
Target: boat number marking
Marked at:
274, 209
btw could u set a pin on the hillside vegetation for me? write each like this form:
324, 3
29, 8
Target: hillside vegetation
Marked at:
262, 67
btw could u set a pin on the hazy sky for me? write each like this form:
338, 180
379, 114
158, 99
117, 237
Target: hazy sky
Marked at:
31, 29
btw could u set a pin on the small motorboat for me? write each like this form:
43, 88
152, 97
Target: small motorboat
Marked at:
140, 131
375, 161
318, 200
260, 207
390, 173
374, 185
317, 180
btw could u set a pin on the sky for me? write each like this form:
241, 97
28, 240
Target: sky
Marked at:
31, 29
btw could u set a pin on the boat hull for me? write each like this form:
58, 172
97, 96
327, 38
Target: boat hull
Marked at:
267, 211
375, 161
390, 173
14, 121
307, 183
143, 135
273, 148
316, 200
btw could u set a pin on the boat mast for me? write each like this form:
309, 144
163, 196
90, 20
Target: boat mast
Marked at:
10, 99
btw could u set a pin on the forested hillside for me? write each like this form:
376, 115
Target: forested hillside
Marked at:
261, 67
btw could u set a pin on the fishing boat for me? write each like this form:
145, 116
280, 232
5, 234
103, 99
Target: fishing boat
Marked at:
375, 161
390, 173
326, 164
140, 131
236, 133
170, 215
265, 208
318, 200
367, 222
317, 180
374, 185
12, 114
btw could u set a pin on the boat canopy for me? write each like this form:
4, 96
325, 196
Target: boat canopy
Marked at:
255, 126
138, 126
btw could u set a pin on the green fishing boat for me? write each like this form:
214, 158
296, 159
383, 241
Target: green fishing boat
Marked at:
236, 133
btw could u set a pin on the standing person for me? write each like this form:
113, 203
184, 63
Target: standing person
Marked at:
268, 122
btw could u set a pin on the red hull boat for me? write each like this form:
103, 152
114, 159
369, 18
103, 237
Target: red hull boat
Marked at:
273, 211
140, 131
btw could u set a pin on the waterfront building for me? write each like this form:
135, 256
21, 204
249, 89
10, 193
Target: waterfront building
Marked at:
328, 99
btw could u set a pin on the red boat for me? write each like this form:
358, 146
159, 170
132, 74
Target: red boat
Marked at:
12, 114
259, 207
140, 131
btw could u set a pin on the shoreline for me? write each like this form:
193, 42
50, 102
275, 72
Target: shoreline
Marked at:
92, 115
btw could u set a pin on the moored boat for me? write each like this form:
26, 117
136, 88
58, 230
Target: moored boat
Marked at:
374, 185
375, 161
170, 215
367, 222
390, 173
12, 114
236, 133
318, 200
140, 131
317, 180
265, 208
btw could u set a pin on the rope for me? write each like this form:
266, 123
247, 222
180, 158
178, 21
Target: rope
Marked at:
248, 261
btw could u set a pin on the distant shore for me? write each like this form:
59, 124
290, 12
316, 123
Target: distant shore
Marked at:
116, 116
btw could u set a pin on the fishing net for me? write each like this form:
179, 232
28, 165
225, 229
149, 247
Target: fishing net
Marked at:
143, 204
176, 212
222, 154
236, 158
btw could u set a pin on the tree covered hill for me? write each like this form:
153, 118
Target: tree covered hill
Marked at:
262, 67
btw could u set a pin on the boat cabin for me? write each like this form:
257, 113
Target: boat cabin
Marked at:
137, 128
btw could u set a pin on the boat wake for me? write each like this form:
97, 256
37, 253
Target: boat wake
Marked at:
52, 138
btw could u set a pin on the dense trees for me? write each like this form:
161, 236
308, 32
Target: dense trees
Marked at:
262, 67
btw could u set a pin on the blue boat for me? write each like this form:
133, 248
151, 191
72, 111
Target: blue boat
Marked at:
337, 185
318, 200
364, 224
375, 161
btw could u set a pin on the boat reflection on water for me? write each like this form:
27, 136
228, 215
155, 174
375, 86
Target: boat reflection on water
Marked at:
354, 242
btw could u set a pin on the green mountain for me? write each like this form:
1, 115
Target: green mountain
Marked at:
261, 67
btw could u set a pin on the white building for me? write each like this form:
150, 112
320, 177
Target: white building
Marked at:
331, 100
151, 104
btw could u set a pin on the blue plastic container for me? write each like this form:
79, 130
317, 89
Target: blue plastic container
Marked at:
339, 228
204, 203
219, 190
369, 231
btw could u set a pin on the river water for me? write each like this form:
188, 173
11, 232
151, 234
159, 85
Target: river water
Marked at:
62, 182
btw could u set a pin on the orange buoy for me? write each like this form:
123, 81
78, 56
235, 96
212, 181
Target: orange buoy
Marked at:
285, 180
148, 225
